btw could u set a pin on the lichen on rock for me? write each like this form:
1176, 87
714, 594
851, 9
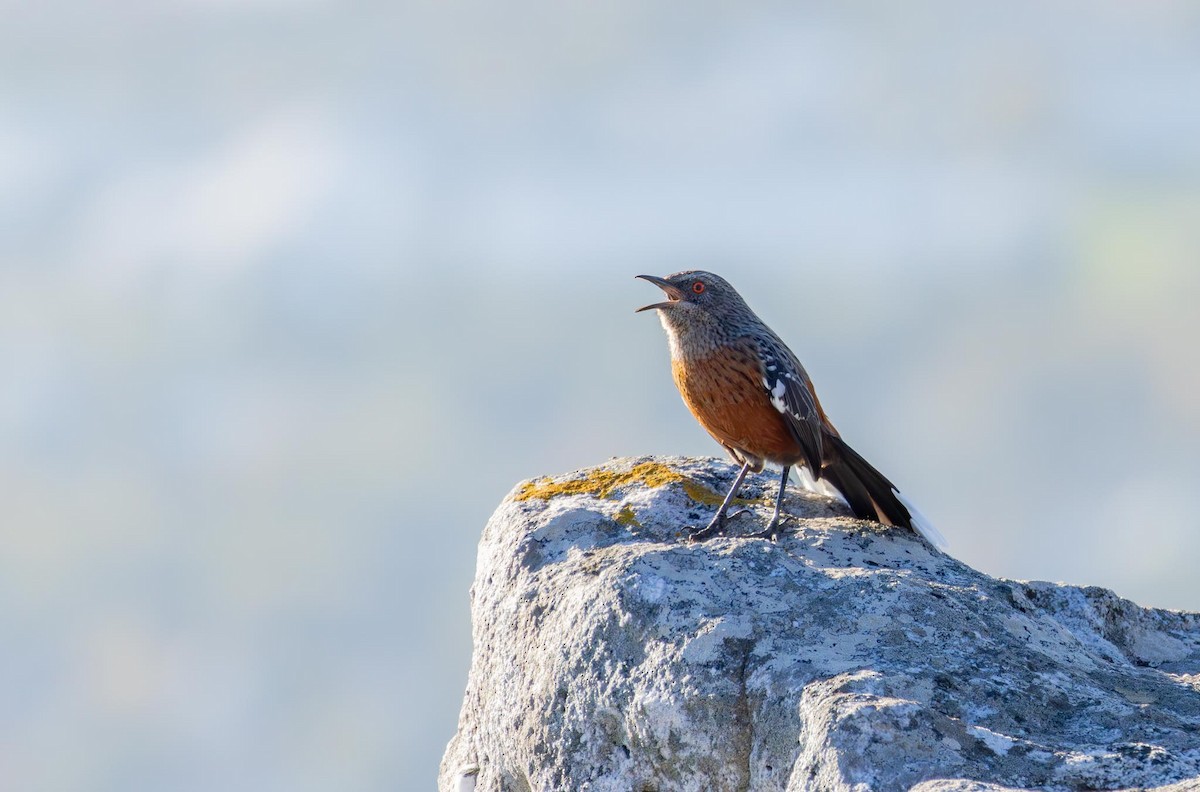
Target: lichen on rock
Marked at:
612, 654
604, 481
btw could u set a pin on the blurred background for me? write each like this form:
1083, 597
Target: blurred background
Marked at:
292, 293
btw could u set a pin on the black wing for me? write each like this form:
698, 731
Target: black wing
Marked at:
787, 386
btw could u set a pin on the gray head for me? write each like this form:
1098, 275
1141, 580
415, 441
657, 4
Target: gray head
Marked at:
701, 309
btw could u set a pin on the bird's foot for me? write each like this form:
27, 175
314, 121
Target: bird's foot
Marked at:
773, 528
716, 527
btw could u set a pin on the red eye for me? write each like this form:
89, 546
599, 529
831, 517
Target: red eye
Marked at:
698, 287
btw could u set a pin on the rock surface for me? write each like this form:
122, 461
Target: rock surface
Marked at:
611, 654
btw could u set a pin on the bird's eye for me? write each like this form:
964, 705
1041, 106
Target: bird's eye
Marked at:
698, 287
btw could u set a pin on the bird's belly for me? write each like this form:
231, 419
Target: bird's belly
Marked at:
727, 397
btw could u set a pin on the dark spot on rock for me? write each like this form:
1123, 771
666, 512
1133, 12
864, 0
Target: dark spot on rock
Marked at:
946, 682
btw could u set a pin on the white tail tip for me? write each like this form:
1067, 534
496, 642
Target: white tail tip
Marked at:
922, 525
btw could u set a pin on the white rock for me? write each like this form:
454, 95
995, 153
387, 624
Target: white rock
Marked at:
611, 654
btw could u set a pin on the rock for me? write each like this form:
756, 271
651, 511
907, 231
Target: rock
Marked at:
611, 654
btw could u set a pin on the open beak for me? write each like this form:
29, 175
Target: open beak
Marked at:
673, 294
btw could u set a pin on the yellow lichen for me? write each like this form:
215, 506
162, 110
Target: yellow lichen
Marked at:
602, 483
702, 494
627, 518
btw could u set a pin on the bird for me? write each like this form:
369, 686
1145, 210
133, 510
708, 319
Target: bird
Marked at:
753, 396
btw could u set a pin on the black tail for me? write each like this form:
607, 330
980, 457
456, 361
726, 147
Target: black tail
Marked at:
870, 495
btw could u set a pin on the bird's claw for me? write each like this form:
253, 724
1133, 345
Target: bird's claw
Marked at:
707, 532
717, 526
773, 528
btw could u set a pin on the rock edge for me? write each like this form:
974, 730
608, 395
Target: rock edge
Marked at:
612, 654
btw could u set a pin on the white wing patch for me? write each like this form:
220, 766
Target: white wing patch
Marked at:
779, 396
777, 393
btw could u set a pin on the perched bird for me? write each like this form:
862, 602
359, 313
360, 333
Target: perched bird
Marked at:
750, 393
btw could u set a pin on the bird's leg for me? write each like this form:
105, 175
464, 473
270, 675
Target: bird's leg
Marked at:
772, 530
718, 520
